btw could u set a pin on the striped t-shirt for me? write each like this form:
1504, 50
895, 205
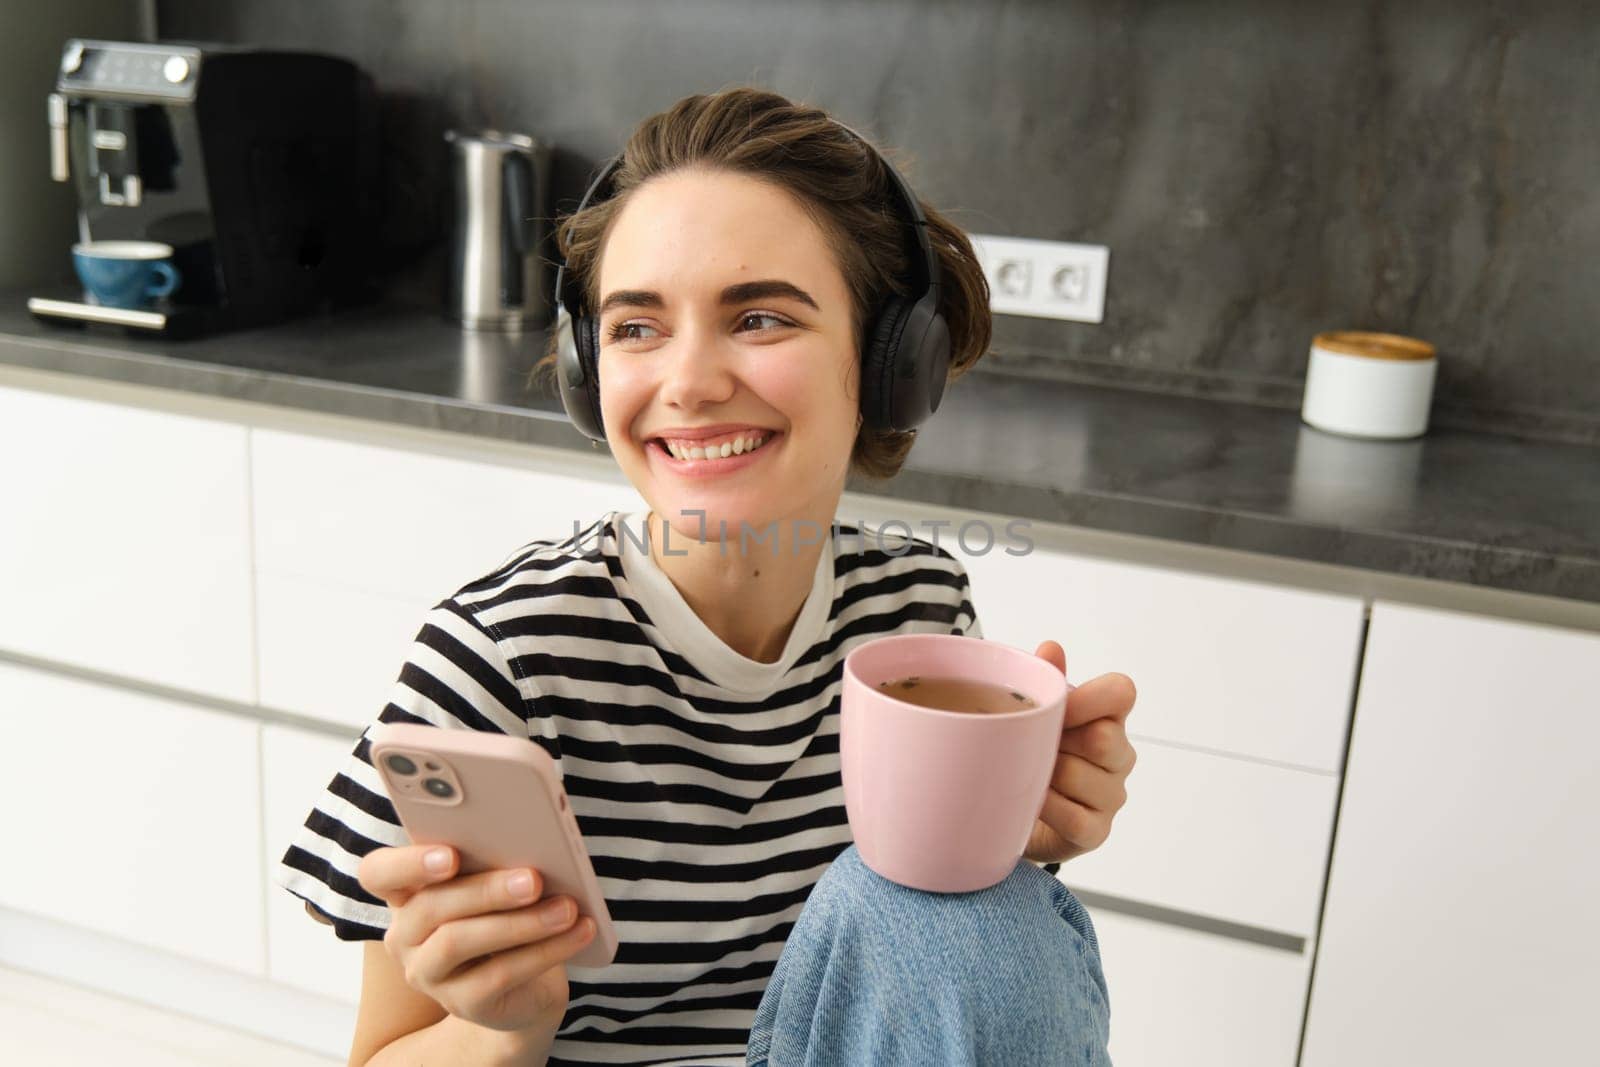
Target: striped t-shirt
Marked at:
706, 784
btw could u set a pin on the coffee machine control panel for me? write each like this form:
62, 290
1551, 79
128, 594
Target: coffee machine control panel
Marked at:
165, 72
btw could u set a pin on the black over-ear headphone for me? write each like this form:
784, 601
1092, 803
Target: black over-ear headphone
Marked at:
905, 352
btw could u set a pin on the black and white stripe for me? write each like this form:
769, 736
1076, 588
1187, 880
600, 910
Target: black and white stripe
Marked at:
709, 813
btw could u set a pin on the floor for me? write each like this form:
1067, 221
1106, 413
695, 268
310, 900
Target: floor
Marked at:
52, 1024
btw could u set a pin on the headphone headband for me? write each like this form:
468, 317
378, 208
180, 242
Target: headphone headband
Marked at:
923, 257
923, 261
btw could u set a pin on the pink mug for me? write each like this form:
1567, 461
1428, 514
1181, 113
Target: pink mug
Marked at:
944, 800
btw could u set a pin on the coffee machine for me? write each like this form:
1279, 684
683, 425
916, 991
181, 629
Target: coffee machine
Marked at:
257, 167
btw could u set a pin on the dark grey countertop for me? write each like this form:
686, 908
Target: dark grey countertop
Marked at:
1453, 505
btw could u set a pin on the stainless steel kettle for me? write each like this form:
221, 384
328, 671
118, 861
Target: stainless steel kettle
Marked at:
496, 277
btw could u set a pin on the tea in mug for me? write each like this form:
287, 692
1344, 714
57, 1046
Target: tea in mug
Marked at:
957, 694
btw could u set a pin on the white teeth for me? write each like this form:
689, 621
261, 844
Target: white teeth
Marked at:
736, 447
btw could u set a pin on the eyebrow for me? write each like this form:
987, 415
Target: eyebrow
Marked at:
733, 294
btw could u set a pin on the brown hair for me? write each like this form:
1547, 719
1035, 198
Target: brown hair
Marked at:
843, 186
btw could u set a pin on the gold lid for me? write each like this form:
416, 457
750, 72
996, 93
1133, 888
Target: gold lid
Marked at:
1373, 345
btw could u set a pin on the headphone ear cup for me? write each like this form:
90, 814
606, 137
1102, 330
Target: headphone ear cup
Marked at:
577, 376
878, 363
572, 373
590, 332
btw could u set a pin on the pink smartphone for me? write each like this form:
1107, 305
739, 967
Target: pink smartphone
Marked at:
498, 801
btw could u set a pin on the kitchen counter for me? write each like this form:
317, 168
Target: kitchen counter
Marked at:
1452, 506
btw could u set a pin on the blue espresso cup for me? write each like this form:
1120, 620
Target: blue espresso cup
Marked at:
125, 274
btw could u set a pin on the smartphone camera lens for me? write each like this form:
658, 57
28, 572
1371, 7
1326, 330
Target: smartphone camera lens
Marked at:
438, 787
400, 765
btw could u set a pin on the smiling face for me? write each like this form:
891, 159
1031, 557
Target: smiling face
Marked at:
726, 327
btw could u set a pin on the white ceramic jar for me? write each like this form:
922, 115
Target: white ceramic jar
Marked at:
1369, 384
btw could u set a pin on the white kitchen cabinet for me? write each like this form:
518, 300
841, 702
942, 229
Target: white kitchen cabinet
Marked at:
410, 525
1230, 839
1185, 997
125, 541
296, 765
132, 815
1222, 664
1461, 925
355, 542
331, 652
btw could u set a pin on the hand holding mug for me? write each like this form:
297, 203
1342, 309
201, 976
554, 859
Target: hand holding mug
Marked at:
1089, 783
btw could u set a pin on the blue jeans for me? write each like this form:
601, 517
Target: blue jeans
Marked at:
878, 974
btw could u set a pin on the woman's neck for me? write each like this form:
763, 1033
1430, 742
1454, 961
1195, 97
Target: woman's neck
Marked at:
747, 592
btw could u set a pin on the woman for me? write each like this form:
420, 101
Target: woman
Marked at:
687, 683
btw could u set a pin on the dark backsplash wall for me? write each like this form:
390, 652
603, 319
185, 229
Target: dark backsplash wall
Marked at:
1260, 169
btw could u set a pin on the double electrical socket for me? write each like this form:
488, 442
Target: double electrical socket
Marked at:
1046, 279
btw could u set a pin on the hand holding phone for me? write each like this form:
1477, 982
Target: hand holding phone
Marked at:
479, 946
497, 802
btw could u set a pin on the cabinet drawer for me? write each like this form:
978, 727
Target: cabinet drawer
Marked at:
139, 817
410, 525
125, 542
1185, 997
1220, 663
296, 766
1224, 664
329, 651
1226, 838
